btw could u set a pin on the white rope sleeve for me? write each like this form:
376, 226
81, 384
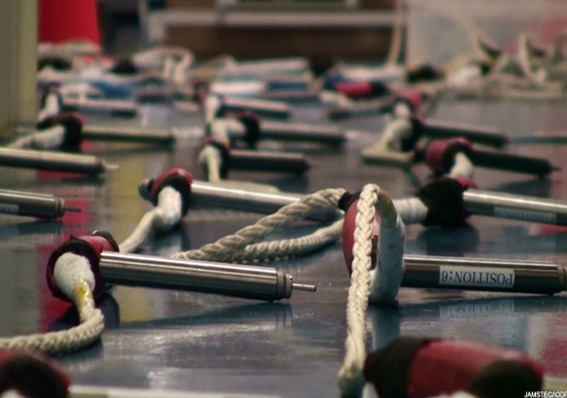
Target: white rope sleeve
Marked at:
387, 149
46, 139
77, 282
212, 105
386, 278
210, 159
411, 210
381, 284
231, 246
164, 216
462, 167
50, 108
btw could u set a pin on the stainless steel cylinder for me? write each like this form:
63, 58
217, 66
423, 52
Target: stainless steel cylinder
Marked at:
515, 207
204, 194
277, 162
329, 135
484, 274
128, 134
260, 283
52, 161
31, 204
262, 107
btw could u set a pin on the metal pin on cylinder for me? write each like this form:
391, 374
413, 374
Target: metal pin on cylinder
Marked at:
252, 282
32, 204
53, 161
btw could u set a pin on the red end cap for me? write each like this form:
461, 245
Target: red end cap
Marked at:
178, 179
439, 154
460, 364
413, 98
89, 246
466, 183
349, 203
355, 89
32, 375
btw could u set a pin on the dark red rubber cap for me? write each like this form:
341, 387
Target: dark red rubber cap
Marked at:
439, 154
178, 179
448, 366
89, 246
32, 375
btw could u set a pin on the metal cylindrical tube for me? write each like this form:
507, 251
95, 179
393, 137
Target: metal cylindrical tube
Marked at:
115, 107
128, 134
260, 283
262, 107
509, 162
52, 161
483, 274
292, 96
479, 134
31, 204
516, 207
212, 195
329, 135
241, 159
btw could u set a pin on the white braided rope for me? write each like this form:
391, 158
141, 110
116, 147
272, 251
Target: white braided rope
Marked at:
164, 216
210, 159
381, 284
75, 279
350, 377
387, 149
233, 246
462, 167
45, 139
411, 210
292, 247
77, 282
50, 108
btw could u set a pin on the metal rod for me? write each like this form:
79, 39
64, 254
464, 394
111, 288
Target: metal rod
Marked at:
32, 204
484, 274
114, 107
291, 96
53, 161
266, 108
241, 159
486, 135
260, 283
515, 207
329, 134
516, 163
128, 134
206, 194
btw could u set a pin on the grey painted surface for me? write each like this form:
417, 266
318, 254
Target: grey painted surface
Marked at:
206, 343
